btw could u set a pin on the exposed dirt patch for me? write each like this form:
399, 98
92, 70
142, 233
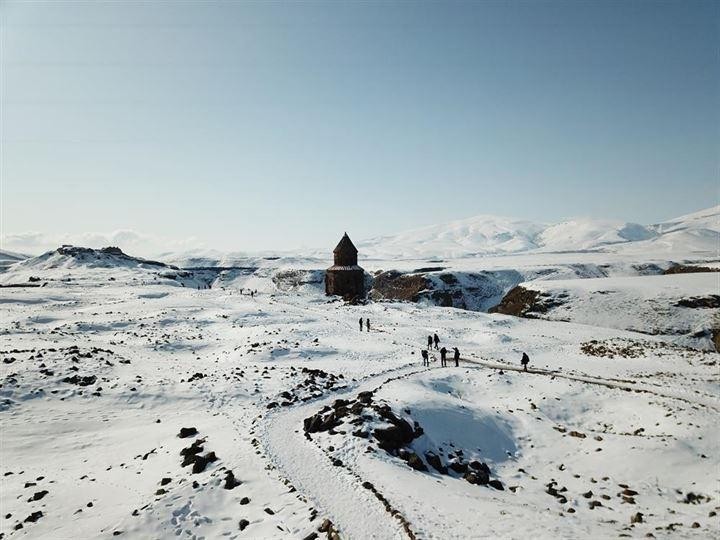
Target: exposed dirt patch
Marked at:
712, 301
633, 348
685, 269
393, 285
522, 302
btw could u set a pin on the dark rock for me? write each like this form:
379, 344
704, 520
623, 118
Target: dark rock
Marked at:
39, 495
269, 511
243, 523
165, 481
230, 481
497, 484
416, 463
435, 462
392, 438
458, 466
478, 466
32, 518
200, 462
244, 501
478, 476
86, 380
636, 518
187, 432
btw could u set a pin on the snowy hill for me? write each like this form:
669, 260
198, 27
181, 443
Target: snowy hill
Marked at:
490, 235
587, 234
89, 266
8, 258
473, 236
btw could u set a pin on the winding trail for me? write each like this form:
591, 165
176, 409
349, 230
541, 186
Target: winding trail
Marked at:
354, 510
629, 387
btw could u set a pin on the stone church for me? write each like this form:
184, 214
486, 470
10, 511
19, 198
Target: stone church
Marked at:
345, 278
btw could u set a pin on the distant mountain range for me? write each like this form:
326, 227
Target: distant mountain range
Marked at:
696, 233
491, 235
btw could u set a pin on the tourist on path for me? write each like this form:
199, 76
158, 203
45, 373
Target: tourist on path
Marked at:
367, 324
456, 356
525, 361
361, 323
436, 339
443, 357
425, 357
429, 342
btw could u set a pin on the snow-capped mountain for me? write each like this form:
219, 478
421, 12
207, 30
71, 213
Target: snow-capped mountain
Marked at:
476, 235
490, 235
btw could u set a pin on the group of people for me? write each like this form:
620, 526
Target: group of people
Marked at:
435, 340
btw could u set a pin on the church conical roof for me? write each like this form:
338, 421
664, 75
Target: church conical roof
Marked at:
345, 245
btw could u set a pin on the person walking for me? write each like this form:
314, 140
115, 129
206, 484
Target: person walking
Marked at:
525, 361
367, 324
425, 358
436, 339
361, 323
429, 342
456, 356
443, 357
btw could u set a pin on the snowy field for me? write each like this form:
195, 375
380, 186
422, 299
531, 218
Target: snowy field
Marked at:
144, 401
98, 378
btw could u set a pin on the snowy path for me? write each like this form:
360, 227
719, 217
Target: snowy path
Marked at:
354, 510
709, 402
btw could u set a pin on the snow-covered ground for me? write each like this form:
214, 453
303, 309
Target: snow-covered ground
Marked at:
303, 425
99, 376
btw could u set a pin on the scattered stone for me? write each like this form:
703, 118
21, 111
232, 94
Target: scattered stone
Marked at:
187, 432
230, 481
32, 518
37, 496
416, 463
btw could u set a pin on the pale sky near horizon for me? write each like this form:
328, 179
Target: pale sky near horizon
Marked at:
279, 125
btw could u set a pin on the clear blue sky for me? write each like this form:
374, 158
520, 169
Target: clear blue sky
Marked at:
276, 125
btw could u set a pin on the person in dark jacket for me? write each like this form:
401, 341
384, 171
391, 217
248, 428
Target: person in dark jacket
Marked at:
425, 358
361, 323
443, 357
429, 342
436, 339
525, 361
456, 356
367, 324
